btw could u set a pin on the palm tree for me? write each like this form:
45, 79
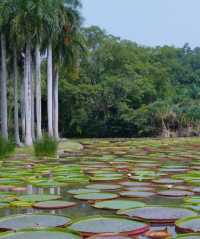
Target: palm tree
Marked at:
69, 20
16, 108
4, 13
4, 108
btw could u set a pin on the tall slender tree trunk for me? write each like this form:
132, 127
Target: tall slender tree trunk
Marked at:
55, 103
32, 85
4, 107
22, 99
49, 90
38, 91
28, 136
16, 109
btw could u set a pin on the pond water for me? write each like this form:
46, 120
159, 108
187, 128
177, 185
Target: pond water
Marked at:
159, 173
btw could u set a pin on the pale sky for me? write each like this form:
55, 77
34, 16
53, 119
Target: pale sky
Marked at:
147, 22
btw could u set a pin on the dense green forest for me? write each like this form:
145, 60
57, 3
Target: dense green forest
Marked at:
121, 89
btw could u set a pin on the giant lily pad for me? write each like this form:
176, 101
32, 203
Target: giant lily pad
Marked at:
188, 224
118, 204
157, 214
82, 190
189, 236
96, 225
168, 181
103, 186
137, 194
135, 184
96, 196
38, 197
109, 236
175, 193
53, 204
17, 222
39, 235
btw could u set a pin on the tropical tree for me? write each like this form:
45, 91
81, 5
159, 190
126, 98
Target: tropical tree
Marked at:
4, 25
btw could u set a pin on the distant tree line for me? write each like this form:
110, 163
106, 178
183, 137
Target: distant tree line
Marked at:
122, 89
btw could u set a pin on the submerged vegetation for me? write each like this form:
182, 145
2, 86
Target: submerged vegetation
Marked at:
46, 146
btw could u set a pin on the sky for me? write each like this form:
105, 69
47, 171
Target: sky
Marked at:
147, 22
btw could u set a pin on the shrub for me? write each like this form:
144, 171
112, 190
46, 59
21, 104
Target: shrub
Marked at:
46, 147
7, 147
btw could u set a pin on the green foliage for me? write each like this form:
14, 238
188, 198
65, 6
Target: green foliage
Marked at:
7, 147
46, 147
127, 90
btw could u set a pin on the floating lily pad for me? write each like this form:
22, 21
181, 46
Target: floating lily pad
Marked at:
136, 194
175, 193
189, 236
54, 204
118, 204
96, 225
196, 190
144, 189
109, 236
135, 184
96, 196
107, 178
17, 222
188, 224
39, 235
20, 204
193, 200
168, 181
82, 190
104, 186
38, 198
157, 214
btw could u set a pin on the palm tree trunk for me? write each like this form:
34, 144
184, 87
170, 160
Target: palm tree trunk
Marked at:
49, 90
38, 91
28, 136
4, 107
55, 103
22, 99
16, 109
32, 85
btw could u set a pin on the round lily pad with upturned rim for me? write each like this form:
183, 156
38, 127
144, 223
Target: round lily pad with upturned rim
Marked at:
103, 186
19, 222
135, 184
82, 191
53, 204
168, 181
137, 194
39, 234
175, 193
38, 197
188, 236
118, 204
96, 225
188, 224
96, 196
157, 214
109, 236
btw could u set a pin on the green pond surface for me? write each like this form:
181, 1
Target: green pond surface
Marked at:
105, 169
